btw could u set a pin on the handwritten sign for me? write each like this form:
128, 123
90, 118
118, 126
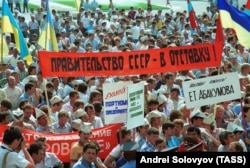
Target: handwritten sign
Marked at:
135, 115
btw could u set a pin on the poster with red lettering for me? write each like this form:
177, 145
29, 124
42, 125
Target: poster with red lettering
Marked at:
60, 144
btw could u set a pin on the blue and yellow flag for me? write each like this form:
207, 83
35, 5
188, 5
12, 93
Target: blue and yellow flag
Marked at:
233, 18
47, 39
9, 25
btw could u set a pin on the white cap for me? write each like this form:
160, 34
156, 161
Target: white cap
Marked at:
72, 46
153, 114
17, 114
197, 114
32, 78
39, 113
55, 99
63, 31
76, 82
144, 38
87, 78
79, 113
209, 119
86, 127
76, 124
234, 127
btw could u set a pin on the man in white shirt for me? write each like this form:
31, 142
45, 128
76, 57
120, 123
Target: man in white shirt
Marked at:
12, 141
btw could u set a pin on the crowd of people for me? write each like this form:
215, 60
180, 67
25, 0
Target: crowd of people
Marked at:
58, 105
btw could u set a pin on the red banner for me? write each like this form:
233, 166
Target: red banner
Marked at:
133, 62
60, 144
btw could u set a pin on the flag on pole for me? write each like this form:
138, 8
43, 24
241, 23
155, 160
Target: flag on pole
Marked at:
233, 18
47, 39
219, 38
191, 13
9, 25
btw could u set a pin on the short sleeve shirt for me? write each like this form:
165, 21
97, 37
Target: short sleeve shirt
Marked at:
19, 161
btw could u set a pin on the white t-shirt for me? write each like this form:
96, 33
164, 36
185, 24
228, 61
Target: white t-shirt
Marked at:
13, 95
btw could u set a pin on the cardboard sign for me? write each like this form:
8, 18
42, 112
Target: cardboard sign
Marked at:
211, 90
60, 144
127, 63
135, 115
115, 100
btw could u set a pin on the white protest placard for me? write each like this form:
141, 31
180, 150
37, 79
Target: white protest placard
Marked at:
115, 100
211, 90
135, 114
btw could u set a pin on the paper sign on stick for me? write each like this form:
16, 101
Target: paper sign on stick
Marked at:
135, 114
211, 90
115, 101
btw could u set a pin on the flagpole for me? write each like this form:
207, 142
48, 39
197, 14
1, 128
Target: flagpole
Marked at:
45, 88
2, 49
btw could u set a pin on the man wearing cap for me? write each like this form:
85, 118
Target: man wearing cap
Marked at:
154, 119
226, 137
129, 153
197, 118
77, 148
165, 105
211, 135
18, 120
82, 115
237, 131
42, 122
56, 106
141, 133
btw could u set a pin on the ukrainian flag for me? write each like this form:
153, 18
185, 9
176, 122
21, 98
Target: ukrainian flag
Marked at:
47, 38
78, 5
233, 18
9, 25
3, 46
